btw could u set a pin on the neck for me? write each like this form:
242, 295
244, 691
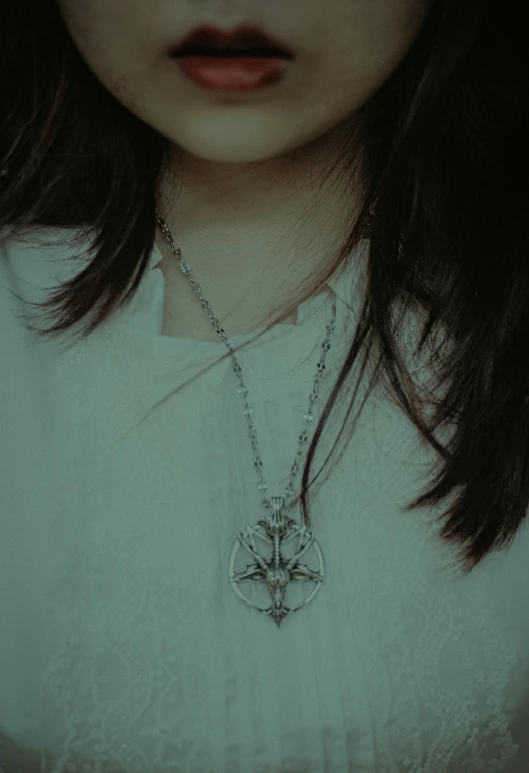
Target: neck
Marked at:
261, 220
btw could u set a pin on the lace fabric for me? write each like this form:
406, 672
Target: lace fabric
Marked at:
123, 648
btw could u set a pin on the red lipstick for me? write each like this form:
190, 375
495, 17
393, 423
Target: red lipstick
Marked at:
244, 35
244, 59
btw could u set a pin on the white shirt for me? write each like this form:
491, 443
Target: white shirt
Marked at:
123, 647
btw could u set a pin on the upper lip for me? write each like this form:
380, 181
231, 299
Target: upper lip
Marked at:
244, 35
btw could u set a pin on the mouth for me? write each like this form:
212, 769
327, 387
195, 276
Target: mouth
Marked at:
245, 41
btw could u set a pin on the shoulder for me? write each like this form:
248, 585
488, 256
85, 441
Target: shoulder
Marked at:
34, 262
38, 254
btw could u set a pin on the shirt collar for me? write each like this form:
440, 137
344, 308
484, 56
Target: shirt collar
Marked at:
347, 280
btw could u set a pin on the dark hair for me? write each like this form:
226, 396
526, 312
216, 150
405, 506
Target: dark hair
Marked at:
444, 162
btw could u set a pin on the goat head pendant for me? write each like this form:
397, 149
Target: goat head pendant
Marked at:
274, 569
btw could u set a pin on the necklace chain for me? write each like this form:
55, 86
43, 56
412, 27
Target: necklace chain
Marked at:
243, 389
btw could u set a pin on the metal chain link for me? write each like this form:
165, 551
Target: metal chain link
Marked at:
243, 389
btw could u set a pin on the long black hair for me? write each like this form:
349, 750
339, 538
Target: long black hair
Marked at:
444, 161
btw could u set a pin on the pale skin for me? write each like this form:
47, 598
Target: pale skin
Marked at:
252, 216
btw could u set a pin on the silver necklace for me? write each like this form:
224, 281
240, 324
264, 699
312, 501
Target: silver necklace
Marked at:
274, 569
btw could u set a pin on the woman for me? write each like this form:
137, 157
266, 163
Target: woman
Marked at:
227, 202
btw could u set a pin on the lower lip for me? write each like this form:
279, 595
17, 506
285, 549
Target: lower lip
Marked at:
233, 73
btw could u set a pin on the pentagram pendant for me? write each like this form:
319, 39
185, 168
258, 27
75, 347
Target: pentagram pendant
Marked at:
276, 570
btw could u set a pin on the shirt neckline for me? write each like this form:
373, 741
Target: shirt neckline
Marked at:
343, 284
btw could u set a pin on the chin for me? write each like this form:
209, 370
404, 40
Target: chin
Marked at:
232, 139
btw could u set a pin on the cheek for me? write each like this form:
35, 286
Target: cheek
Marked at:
101, 31
342, 87
85, 21
363, 50
348, 76
105, 52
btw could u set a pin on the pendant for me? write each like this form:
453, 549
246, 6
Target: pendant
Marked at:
275, 570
